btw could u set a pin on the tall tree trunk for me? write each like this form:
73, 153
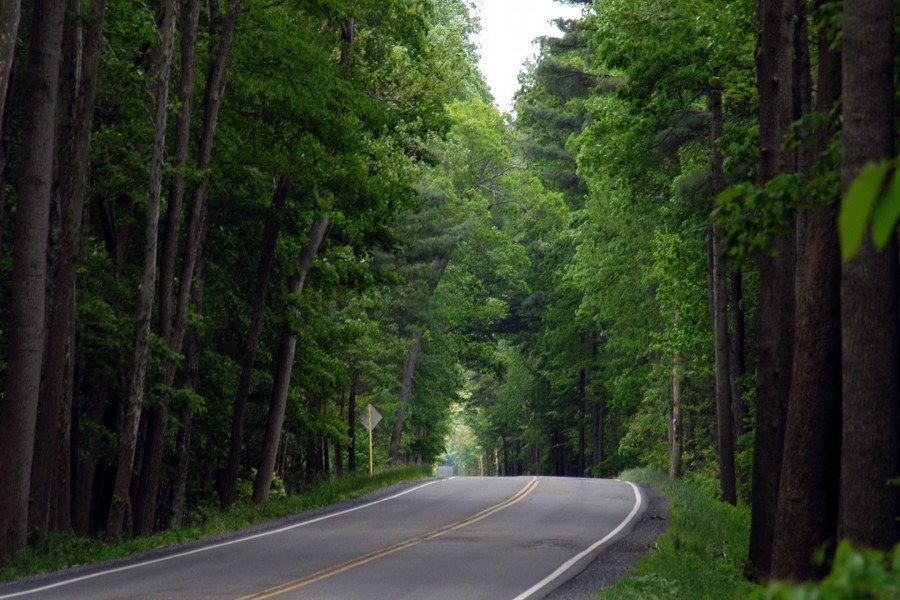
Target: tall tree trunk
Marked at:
351, 422
148, 491
10, 14
29, 276
61, 499
719, 284
776, 307
86, 467
409, 368
284, 367
61, 321
582, 417
128, 435
676, 427
598, 406
189, 20
808, 498
338, 447
737, 360
228, 487
186, 413
870, 456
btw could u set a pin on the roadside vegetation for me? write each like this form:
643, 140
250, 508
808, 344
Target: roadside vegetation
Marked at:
61, 550
702, 554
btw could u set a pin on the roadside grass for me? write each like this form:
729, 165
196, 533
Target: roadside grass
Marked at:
701, 555
59, 550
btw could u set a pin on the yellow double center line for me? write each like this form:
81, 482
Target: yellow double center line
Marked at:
367, 558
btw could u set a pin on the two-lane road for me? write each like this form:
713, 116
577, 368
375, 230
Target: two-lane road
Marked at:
470, 537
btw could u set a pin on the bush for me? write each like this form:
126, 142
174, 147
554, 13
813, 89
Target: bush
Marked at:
855, 575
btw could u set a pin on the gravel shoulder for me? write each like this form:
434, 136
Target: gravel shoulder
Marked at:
615, 561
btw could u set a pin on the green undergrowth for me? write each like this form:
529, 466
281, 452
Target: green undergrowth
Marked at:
701, 555
57, 551
855, 575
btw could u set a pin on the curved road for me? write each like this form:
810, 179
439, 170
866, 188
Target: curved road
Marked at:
470, 537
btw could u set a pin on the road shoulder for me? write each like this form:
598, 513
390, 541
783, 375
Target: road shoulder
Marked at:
614, 561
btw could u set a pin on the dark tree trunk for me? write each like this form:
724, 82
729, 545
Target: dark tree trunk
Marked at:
169, 252
808, 498
338, 447
598, 407
719, 284
128, 435
870, 456
186, 413
582, 421
146, 503
61, 321
775, 326
351, 422
283, 369
228, 488
86, 468
10, 14
676, 425
61, 498
409, 369
738, 359
29, 275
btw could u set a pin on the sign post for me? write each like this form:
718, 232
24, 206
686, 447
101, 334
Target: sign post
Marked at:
370, 419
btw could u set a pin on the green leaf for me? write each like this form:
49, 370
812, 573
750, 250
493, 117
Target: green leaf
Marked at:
887, 212
857, 207
729, 194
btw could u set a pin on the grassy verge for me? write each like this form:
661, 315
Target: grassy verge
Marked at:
56, 551
700, 556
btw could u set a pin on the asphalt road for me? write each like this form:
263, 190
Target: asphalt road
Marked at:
470, 537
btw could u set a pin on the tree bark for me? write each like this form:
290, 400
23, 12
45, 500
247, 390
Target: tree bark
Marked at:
409, 369
186, 413
228, 488
128, 435
776, 308
29, 276
190, 19
351, 422
284, 367
598, 408
148, 491
582, 421
61, 321
719, 282
871, 342
738, 360
676, 425
86, 468
10, 14
808, 500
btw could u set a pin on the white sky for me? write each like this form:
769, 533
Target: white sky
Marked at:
508, 28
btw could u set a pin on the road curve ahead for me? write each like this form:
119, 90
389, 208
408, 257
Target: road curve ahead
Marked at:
469, 537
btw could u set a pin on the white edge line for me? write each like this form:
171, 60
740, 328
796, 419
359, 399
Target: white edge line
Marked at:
214, 546
571, 562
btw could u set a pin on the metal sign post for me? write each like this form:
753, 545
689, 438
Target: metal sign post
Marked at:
370, 419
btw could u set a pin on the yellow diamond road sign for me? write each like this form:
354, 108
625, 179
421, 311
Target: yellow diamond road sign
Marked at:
364, 417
